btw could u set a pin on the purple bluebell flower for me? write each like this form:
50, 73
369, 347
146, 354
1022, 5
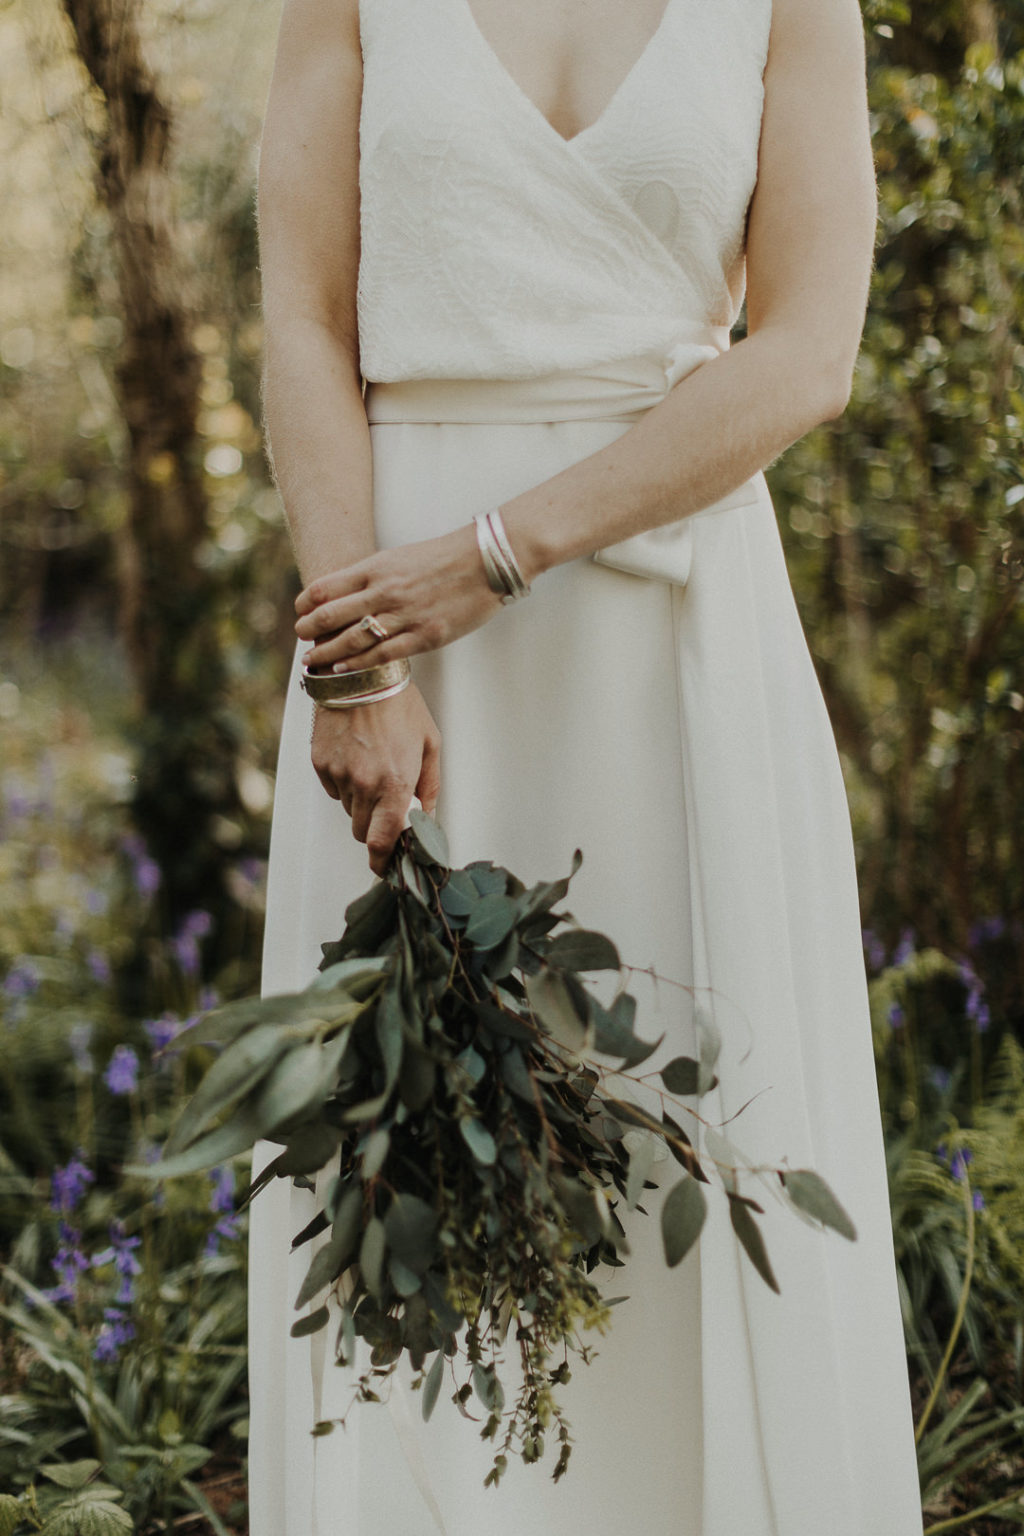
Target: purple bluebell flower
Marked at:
145, 870
978, 1200
116, 1330
209, 997
99, 967
986, 930
958, 1167
18, 801
79, 1039
68, 1263
942, 1153
22, 980
122, 1072
68, 1184
905, 948
874, 949
222, 1202
162, 1032
975, 1006
940, 1079
96, 901
897, 1018
185, 944
226, 1227
121, 1254
223, 1195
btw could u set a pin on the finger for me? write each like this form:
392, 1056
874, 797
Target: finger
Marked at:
350, 644
428, 786
386, 824
335, 613
325, 588
328, 783
363, 806
408, 643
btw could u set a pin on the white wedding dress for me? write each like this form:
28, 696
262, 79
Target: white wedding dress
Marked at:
522, 300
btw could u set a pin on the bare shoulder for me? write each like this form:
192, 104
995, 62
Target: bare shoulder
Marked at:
334, 23
805, 30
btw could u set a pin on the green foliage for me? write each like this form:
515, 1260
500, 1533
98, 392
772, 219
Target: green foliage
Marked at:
904, 521
443, 1058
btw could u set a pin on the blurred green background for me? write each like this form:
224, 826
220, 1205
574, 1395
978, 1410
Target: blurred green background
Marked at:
145, 592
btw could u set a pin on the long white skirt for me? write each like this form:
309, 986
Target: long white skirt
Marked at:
679, 738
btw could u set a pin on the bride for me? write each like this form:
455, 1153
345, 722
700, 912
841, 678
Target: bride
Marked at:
504, 243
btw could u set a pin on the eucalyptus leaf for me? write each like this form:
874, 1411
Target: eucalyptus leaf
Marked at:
459, 895
722, 1151
405, 1281
552, 1004
683, 1214
516, 1075
416, 1078
245, 1062
417, 1332
581, 950
389, 1022
300, 1081
479, 1141
681, 1075
372, 1252
709, 1040
432, 1385
331, 1258
613, 1036
428, 839
749, 1234
491, 920
488, 878
355, 977
236, 1135
374, 1153
542, 897
641, 1161
309, 1147
809, 1191
410, 1225
311, 1323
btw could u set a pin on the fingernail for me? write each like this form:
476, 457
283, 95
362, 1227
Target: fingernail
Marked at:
340, 666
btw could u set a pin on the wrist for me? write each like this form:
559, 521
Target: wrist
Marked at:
531, 537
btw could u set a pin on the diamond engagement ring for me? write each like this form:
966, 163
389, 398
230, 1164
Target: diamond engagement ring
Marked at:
374, 627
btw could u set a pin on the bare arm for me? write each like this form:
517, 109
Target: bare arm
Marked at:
376, 757
309, 256
809, 253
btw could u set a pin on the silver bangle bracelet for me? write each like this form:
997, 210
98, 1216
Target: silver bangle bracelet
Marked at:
501, 567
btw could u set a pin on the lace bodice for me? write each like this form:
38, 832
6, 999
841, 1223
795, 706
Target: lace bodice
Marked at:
494, 248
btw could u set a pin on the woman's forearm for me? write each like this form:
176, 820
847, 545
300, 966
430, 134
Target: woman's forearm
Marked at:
721, 424
320, 445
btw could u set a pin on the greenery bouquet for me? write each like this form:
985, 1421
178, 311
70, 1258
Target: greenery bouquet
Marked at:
443, 1065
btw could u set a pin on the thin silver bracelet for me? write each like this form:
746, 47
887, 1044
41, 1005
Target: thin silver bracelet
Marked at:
504, 576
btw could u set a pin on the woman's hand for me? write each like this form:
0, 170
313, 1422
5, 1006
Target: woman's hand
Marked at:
374, 759
424, 595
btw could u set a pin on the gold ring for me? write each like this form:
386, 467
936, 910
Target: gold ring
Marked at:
373, 626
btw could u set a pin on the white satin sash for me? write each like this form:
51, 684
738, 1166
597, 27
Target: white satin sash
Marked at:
620, 391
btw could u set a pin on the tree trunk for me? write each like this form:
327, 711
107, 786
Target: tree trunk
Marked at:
186, 775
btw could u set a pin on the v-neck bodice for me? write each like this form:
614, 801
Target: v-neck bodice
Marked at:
493, 247
625, 79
